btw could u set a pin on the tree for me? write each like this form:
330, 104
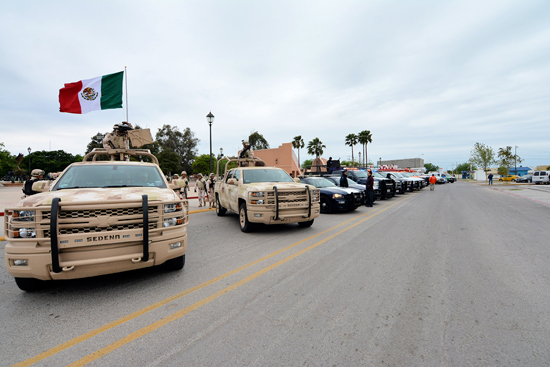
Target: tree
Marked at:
315, 147
507, 159
307, 163
7, 161
202, 164
431, 167
464, 167
257, 141
351, 140
364, 137
96, 142
298, 143
51, 161
182, 143
482, 156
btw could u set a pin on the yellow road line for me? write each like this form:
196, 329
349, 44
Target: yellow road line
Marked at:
154, 306
177, 315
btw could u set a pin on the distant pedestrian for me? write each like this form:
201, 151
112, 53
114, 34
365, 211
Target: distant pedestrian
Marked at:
490, 177
344, 179
370, 189
200, 185
433, 181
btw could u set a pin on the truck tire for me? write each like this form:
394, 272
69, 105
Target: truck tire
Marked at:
29, 284
306, 224
175, 263
220, 210
245, 225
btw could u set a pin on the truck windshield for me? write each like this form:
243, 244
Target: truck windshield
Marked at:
265, 175
107, 176
320, 182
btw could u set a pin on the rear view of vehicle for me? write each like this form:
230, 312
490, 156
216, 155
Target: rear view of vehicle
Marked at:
97, 218
541, 177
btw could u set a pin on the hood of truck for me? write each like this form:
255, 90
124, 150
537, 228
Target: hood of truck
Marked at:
262, 186
100, 195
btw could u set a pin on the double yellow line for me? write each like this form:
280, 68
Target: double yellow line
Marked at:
177, 315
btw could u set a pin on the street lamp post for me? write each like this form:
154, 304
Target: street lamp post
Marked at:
359, 159
29, 150
380, 162
210, 119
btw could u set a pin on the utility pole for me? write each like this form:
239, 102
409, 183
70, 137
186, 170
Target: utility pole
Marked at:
516, 160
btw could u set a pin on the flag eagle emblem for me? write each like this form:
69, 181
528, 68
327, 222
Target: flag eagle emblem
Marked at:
89, 94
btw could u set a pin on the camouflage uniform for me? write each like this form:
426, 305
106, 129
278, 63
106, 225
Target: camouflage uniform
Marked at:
36, 175
211, 183
185, 184
201, 187
118, 139
246, 152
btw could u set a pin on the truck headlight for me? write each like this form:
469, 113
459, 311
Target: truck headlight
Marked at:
337, 196
170, 222
25, 233
257, 202
170, 208
257, 194
23, 215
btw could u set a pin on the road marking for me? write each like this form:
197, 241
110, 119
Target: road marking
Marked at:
165, 301
179, 314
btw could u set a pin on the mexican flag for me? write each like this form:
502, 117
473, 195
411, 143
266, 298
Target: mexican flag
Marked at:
101, 93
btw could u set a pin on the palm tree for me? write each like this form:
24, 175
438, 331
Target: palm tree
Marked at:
298, 143
364, 138
351, 140
315, 147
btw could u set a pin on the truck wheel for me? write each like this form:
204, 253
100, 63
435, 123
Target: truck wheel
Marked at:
306, 224
29, 284
246, 226
175, 264
220, 210
325, 205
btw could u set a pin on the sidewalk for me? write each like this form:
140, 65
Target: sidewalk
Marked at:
10, 196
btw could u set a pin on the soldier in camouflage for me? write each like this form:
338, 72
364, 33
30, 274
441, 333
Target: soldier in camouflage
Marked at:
246, 152
185, 184
118, 139
211, 184
200, 185
36, 175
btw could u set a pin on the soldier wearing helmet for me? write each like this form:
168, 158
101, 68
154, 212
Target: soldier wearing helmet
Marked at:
247, 152
118, 138
211, 183
36, 175
185, 184
200, 185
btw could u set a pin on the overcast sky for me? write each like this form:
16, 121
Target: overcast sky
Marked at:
427, 78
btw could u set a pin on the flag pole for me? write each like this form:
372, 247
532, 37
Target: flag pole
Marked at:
126, 85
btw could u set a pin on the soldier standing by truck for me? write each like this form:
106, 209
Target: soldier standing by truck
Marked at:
211, 184
200, 185
185, 184
36, 175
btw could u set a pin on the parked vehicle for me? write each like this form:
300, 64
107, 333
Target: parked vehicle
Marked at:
334, 198
387, 185
405, 183
508, 178
440, 177
541, 177
450, 178
357, 186
261, 194
525, 178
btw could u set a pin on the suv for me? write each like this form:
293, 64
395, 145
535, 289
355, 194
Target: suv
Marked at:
96, 218
541, 177
261, 194
387, 185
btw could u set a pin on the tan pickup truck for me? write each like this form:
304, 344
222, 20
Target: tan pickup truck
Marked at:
261, 194
97, 217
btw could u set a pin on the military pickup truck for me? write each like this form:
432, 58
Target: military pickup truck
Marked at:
97, 217
261, 194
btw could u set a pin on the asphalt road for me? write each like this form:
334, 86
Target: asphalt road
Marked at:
455, 277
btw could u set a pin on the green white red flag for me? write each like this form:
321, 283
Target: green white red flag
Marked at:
101, 93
